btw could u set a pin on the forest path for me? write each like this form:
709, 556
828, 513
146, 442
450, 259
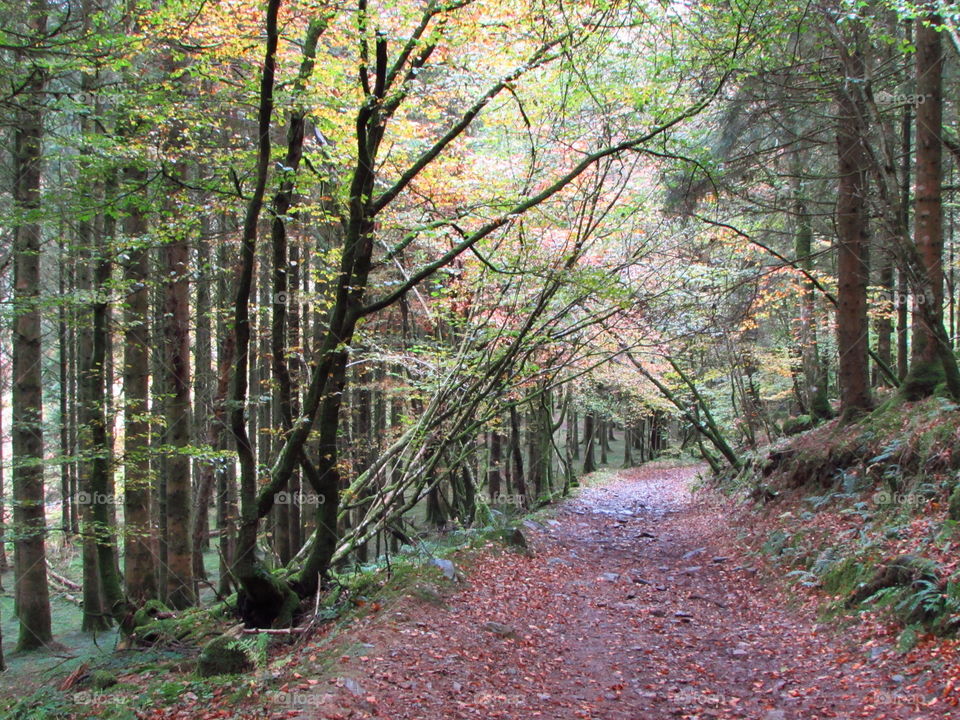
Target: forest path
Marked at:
633, 606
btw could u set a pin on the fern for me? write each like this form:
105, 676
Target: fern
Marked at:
806, 578
926, 597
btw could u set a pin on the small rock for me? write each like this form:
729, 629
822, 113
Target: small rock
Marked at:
658, 613
609, 577
661, 588
446, 566
516, 538
897, 678
694, 553
644, 534
504, 631
719, 559
557, 561
352, 686
682, 614
692, 569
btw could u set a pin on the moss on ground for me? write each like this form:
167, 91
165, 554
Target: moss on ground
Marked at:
841, 505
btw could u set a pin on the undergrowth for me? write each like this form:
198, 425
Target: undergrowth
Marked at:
865, 514
121, 686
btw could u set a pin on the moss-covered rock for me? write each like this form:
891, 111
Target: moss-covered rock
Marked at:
512, 536
798, 424
224, 655
102, 679
901, 571
844, 575
150, 611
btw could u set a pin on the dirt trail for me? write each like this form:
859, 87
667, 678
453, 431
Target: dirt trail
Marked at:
633, 606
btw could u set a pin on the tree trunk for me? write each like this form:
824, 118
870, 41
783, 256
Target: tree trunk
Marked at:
98, 453
176, 329
815, 390
204, 405
4, 564
140, 535
63, 341
159, 459
589, 431
535, 456
628, 445
852, 244
602, 436
516, 450
926, 369
573, 435
903, 284
32, 596
494, 479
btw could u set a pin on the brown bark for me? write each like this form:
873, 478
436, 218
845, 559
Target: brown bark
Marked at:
852, 242
139, 568
925, 366
176, 328
30, 568
589, 431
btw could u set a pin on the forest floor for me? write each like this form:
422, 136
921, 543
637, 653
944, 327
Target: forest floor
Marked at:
636, 602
